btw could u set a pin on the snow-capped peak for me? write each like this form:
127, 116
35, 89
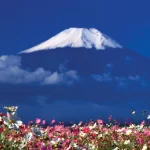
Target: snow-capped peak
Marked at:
75, 38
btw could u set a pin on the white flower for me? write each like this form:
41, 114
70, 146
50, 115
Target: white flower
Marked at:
1, 118
28, 136
11, 109
128, 132
74, 145
99, 136
53, 142
12, 123
115, 142
133, 112
92, 127
139, 127
121, 129
25, 140
132, 126
82, 134
148, 117
116, 148
80, 123
73, 126
91, 146
19, 122
106, 132
127, 142
22, 144
37, 131
95, 132
57, 141
144, 147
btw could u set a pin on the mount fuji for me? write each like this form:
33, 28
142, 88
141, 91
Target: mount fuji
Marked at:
93, 67
75, 38
88, 51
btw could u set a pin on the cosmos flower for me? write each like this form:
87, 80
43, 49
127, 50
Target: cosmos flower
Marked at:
144, 147
116, 148
12, 110
11, 120
91, 146
12, 123
148, 117
37, 131
86, 130
100, 121
27, 138
38, 120
82, 134
53, 121
128, 132
127, 142
133, 112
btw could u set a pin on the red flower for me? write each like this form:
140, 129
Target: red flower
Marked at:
22, 128
93, 135
86, 130
1, 122
3, 115
1, 129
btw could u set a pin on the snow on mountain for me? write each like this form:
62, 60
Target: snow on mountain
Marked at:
75, 38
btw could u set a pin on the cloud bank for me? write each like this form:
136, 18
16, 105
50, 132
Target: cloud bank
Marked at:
121, 81
11, 72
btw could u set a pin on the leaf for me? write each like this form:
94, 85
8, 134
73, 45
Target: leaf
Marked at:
2, 136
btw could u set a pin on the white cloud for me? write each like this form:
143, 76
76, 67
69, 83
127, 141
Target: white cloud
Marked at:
103, 78
67, 77
11, 72
8, 61
134, 78
121, 81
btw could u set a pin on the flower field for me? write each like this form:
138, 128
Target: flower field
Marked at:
95, 135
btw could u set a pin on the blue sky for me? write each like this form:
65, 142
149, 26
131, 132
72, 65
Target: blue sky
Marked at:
27, 23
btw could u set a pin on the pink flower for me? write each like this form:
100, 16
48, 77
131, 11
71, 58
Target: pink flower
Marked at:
43, 122
58, 128
53, 121
38, 120
30, 122
110, 117
100, 121
143, 122
146, 132
50, 135
140, 140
